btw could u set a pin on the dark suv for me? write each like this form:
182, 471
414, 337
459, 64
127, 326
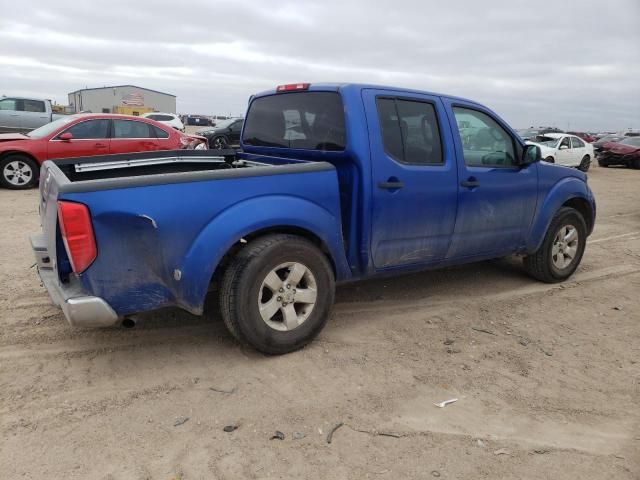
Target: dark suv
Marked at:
225, 134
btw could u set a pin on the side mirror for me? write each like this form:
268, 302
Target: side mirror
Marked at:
531, 154
65, 137
563, 147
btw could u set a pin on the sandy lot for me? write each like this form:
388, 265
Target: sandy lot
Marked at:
553, 391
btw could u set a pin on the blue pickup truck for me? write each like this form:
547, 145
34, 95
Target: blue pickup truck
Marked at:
333, 183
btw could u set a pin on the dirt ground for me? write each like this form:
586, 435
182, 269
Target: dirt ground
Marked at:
547, 377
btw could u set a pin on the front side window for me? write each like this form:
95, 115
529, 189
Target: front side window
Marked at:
410, 132
131, 129
304, 120
577, 143
9, 104
34, 106
89, 130
565, 143
484, 142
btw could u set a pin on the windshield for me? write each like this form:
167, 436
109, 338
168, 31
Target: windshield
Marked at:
224, 123
609, 138
49, 128
527, 133
303, 120
549, 142
633, 141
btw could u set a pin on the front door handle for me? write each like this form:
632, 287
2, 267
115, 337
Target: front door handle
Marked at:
389, 185
101, 145
470, 183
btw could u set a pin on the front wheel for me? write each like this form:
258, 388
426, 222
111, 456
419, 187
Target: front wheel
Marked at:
550, 160
562, 248
585, 164
18, 172
635, 164
277, 293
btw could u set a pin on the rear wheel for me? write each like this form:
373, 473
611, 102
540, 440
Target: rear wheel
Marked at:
277, 293
585, 163
219, 143
18, 172
562, 248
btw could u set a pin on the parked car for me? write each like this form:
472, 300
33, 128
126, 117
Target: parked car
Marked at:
83, 135
196, 120
567, 150
584, 136
170, 119
226, 133
611, 138
625, 152
533, 133
19, 114
388, 188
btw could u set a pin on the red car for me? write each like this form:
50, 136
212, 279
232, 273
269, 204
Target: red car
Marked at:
84, 135
625, 152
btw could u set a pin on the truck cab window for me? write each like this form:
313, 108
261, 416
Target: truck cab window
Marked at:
303, 120
9, 104
410, 132
34, 106
484, 142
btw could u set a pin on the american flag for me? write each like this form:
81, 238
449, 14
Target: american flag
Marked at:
133, 99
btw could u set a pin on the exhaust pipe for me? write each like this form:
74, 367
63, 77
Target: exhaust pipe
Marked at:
129, 322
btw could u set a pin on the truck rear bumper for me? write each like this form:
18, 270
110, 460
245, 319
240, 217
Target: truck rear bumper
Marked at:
80, 310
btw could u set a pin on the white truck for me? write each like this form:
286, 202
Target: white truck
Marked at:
19, 114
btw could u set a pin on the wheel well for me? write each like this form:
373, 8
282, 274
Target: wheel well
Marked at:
4, 155
300, 232
582, 206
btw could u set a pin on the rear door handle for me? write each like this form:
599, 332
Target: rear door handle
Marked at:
470, 183
101, 145
391, 185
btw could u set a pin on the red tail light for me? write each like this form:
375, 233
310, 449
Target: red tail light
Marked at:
77, 234
292, 86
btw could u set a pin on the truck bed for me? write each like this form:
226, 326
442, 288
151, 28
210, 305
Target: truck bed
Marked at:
164, 220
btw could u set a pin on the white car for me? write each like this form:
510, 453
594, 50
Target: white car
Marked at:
170, 119
564, 149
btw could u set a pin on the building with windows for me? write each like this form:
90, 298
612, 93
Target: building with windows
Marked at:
126, 99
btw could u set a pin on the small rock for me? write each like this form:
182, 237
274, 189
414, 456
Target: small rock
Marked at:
230, 428
524, 342
617, 307
277, 436
621, 457
435, 473
298, 435
453, 350
501, 451
541, 451
449, 341
480, 443
180, 421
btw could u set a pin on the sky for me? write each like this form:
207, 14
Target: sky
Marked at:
574, 64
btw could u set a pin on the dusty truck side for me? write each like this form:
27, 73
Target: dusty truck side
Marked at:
334, 183
19, 114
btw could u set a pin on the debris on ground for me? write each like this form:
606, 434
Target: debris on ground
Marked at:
480, 443
541, 451
298, 435
332, 431
180, 421
617, 307
483, 330
445, 403
501, 451
277, 436
453, 350
230, 428
435, 473
524, 341
222, 390
449, 341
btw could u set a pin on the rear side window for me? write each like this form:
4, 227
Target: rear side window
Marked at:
89, 130
34, 106
410, 132
305, 120
160, 133
160, 118
577, 143
131, 129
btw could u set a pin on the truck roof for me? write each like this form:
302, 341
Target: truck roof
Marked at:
363, 86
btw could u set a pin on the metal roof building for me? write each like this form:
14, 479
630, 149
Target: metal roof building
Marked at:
128, 99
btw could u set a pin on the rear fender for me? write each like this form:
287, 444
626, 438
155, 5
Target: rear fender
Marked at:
562, 192
242, 219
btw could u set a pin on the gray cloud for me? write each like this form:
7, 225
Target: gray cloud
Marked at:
566, 63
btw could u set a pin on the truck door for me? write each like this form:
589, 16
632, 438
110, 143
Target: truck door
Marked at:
10, 120
35, 114
414, 178
496, 197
